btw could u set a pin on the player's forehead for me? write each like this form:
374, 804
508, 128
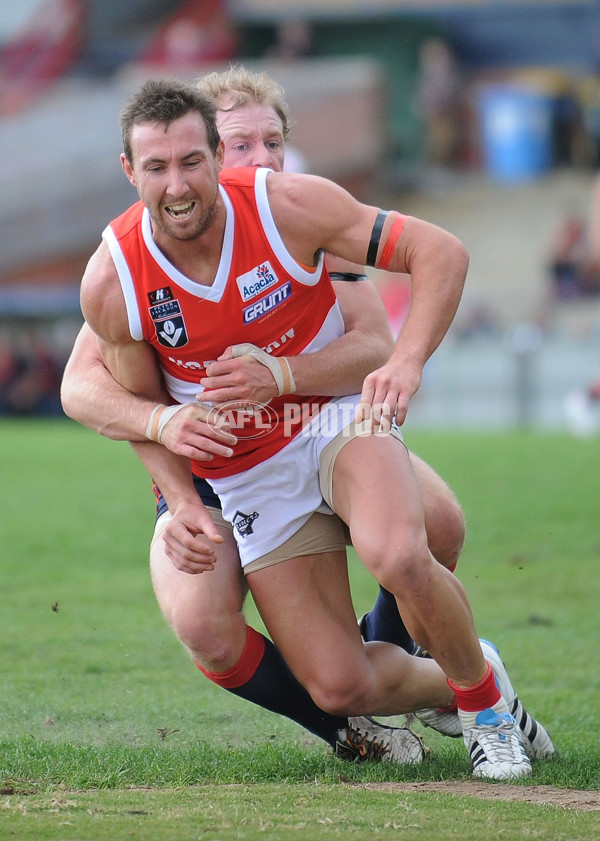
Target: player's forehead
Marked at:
155, 139
247, 120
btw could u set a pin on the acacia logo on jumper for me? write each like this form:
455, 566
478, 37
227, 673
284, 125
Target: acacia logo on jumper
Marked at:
256, 281
254, 420
270, 302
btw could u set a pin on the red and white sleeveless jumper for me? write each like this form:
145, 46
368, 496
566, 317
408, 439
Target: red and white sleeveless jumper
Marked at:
260, 295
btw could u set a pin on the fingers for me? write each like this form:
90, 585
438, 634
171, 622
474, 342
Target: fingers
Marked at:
199, 447
384, 399
189, 537
239, 382
199, 433
209, 529
377, 406
231, 397
187, 552
227, 354
376, 418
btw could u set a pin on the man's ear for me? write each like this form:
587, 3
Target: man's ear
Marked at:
220, 155
127, 169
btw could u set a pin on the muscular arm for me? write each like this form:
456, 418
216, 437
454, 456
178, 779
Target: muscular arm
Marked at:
336, 370
437, 263
133, 366
341, 367
314, 214
91, 396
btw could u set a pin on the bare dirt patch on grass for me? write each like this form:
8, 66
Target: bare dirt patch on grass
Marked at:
585, 801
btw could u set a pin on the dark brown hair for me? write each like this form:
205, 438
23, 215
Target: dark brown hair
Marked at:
164, 101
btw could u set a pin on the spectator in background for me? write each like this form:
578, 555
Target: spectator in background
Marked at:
293, 40
9, 366
30, 377
575, 258
439, 103
582, 410
582, 278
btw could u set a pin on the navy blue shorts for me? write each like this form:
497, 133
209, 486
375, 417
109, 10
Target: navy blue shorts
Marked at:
203, 489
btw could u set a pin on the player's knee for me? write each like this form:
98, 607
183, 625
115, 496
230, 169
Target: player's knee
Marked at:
398, 559
207, 640
344, 695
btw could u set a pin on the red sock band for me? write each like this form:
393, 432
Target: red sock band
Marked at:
451, 708
245, 667
390, 243
482, 696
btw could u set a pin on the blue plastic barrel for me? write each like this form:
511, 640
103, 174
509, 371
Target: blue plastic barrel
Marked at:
516, 130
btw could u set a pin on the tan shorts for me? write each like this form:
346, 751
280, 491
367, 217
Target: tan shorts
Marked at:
322, 532
331, 451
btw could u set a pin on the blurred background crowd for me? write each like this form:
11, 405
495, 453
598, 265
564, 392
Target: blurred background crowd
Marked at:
482, 117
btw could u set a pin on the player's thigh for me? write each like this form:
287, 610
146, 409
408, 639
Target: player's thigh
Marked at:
306, 606
376, 493
212, 595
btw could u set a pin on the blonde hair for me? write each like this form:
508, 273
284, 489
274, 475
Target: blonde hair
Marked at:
241, 86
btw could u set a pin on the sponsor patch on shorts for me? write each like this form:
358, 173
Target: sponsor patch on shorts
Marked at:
244, 523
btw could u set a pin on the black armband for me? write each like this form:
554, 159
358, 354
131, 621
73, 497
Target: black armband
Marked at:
375, 237
348, 277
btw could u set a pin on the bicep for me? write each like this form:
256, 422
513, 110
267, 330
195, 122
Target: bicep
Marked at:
81, 370
84, 357
134, 365
313, 214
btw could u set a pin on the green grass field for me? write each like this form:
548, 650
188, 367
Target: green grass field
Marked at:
107, 731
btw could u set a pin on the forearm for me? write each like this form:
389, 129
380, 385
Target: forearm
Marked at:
437, 263
101, 404
437, 281
191, 532
341, 367
91, 395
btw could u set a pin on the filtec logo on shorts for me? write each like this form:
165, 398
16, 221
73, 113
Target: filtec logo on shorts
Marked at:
256, 281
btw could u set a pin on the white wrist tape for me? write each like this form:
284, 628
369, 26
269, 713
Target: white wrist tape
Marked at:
152, 426
279, 366
159, 418
166, 415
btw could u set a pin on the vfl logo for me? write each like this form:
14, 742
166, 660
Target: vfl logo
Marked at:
256, 281
243, 523
172, 333
268, 303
